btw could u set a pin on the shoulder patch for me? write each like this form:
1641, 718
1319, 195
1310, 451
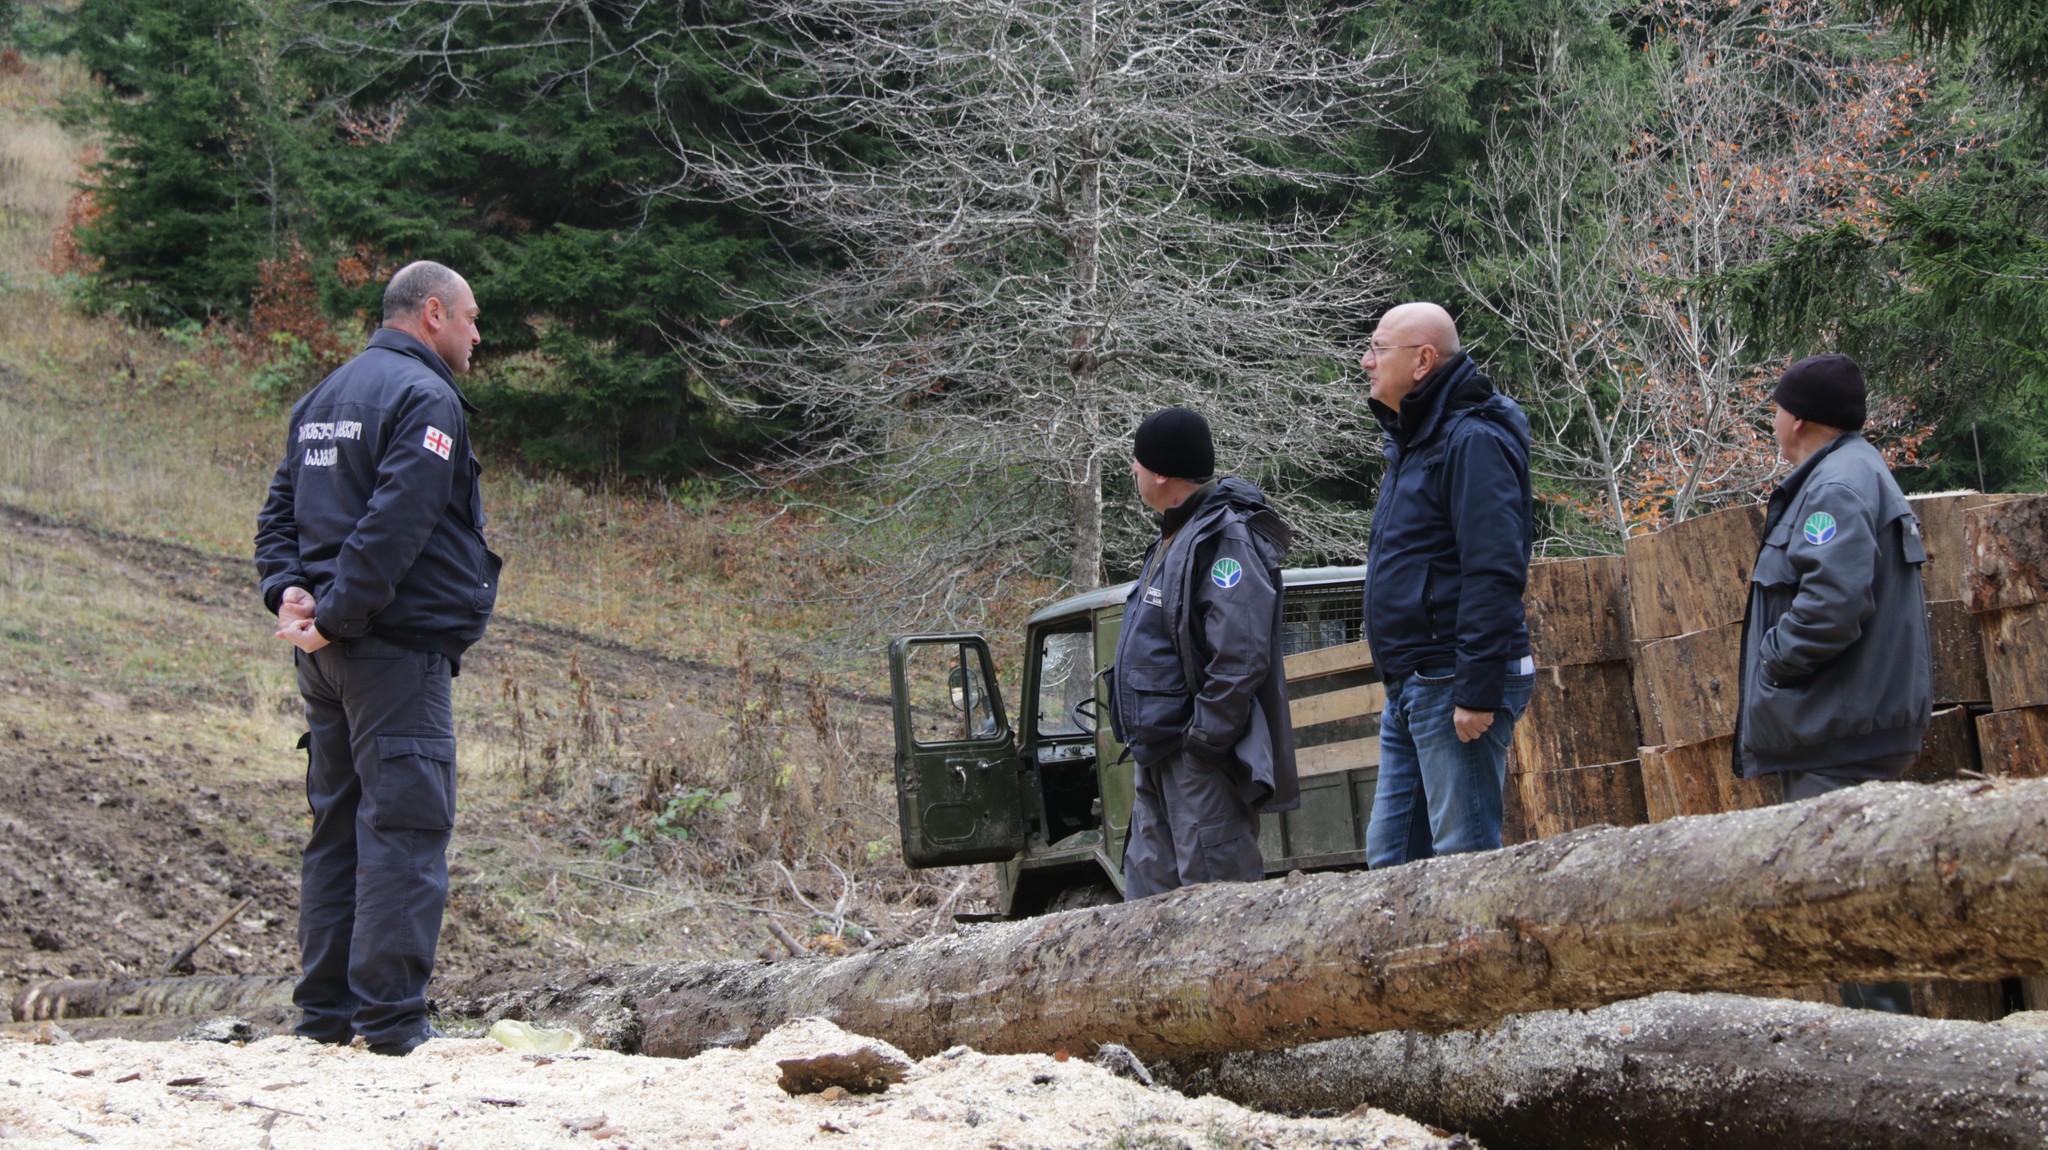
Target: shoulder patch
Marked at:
1226, 573
1820, 527
439, 442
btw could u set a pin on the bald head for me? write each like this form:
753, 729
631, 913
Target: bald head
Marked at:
1425, 323
1411, 341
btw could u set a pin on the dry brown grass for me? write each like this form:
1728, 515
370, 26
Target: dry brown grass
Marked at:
640, 811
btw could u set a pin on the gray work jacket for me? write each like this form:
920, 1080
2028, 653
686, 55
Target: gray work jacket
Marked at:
1836, 673
1199, 664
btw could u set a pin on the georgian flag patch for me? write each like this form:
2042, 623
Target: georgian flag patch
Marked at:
439, 442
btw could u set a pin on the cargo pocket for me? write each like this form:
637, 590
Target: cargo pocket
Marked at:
415, 787
1230, 851
1160, 705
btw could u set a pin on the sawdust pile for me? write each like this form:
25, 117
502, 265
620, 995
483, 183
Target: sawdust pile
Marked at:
452, 1094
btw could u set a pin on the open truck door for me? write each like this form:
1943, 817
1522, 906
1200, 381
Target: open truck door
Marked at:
959, 778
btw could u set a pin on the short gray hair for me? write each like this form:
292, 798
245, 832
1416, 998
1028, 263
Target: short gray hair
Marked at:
412, 284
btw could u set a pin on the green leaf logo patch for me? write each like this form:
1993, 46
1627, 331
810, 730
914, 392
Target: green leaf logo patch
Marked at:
1226, 573
1820, 527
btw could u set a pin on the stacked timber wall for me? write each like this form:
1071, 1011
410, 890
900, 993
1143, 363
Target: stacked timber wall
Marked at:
1638, 655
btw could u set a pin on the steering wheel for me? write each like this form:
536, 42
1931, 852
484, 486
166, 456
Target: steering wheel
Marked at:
1085, 716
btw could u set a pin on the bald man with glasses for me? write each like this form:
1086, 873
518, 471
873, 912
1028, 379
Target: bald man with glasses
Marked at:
1445, 571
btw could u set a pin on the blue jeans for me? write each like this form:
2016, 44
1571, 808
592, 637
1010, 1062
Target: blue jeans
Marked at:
1436, 795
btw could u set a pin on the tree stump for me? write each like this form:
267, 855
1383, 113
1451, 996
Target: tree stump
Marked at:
1578, 611
1693, 575
1691, 681
1699, 779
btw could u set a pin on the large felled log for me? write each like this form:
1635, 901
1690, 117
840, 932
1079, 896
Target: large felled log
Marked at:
1693, 575
1604, 794
1943, 533
1577, 611
1677, 1072
1692, 683
115, 997
1578, 715
1886, 881
1699, 779
2008, 549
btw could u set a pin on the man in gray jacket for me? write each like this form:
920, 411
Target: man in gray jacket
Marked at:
1198, 691
1837, 682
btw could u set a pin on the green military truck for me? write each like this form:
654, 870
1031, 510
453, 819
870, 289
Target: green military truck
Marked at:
1048, 799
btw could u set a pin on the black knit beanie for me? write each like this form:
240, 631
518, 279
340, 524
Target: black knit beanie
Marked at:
1826, 389
1175, 442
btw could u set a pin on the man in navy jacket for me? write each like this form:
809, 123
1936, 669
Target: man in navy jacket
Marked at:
371, 552
1445, 572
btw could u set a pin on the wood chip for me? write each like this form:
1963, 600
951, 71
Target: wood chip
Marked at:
195, 1080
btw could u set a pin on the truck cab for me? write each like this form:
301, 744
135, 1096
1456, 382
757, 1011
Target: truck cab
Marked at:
1047, 797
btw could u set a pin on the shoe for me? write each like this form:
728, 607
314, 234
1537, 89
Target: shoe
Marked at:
405, 1046
343, 1038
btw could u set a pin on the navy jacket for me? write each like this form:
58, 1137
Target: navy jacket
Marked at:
377, 508
1449, 557
1199, 659
1836, 668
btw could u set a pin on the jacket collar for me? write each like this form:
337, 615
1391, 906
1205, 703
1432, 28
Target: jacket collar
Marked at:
1174, 518
1789, 487
392, 339
1454, 384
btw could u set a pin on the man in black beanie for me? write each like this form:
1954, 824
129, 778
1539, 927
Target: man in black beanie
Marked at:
1837, 683
1198, 691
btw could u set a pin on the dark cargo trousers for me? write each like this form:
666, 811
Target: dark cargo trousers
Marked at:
380, 778
1191, 821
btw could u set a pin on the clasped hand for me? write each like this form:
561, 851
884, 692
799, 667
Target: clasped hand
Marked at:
295, 621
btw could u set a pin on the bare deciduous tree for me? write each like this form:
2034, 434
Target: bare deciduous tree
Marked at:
1603, 250
1051, 218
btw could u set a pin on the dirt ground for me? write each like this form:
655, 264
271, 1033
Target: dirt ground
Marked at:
145, 791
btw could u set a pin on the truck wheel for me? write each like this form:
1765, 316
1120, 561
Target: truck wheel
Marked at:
1099, 893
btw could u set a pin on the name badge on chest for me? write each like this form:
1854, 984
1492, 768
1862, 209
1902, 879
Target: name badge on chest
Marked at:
1154, 597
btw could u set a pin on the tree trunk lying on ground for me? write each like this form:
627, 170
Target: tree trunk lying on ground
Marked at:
1675, 1072
1876, 883
115, 997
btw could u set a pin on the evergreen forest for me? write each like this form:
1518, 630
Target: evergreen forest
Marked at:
915, 268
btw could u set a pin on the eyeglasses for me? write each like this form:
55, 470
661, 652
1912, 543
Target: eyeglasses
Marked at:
1379, 349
